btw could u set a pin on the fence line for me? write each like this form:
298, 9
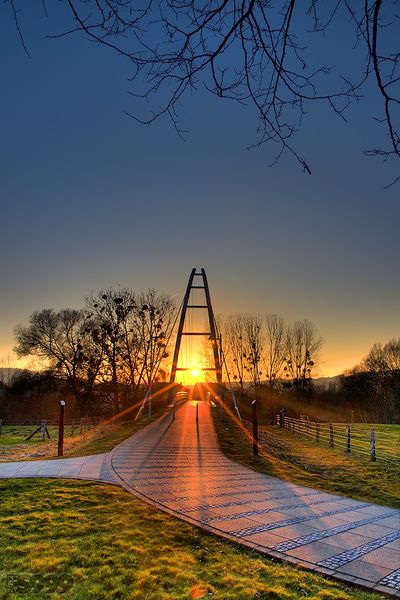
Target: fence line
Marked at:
88, 421
75, 426
341, 436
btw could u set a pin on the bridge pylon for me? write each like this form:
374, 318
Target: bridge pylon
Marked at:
198, 280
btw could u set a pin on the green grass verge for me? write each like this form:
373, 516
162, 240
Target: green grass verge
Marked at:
297, 458
17, 434
105, 439
83, 541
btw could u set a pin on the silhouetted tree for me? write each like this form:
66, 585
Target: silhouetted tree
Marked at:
302, 346
61, 340
233, 334
383, 366
154, 318
131, 330
275, 347
108, 321
254, 339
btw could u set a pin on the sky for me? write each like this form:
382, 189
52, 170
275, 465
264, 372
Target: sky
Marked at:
91, 199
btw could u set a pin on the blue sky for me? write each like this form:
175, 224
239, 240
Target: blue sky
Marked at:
89, 199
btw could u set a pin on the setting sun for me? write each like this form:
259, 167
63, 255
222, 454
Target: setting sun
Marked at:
195, 372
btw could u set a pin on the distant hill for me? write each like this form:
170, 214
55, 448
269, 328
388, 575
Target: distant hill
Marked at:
326, 382
319, 382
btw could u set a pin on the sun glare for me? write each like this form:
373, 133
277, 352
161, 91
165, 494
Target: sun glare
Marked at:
195, 373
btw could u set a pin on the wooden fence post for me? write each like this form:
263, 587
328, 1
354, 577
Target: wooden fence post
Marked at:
331, 443
61, 428
255, 427
372, 445
348, 435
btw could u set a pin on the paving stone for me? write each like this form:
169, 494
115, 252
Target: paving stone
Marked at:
265, 519
364, 570
372, 530
301, 511
394, 545
232, 526
351, 517
374, 509
384, 556
233, 509
323, 523
295, 531
346, 540
313, 552
267, 539
392, 580
392, 522
359, 551
332, 505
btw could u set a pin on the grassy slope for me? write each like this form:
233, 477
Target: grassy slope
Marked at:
299, 459
85, 541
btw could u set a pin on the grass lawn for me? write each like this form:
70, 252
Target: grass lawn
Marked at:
17, 434
82, 541
15, 446
299, 459
387, 439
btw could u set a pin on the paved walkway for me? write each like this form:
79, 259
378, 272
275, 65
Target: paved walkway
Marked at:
178, 467
86, 467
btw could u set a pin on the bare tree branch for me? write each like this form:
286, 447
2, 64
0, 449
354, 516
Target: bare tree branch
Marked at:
249, 51
16, 21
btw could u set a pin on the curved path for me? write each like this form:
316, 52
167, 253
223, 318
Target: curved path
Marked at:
177, 466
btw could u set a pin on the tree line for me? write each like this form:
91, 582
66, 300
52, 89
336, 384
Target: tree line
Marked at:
266, 348
374, 384
119, 338
107, 353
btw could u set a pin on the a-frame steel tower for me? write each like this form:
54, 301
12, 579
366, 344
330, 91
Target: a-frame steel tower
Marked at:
198, 281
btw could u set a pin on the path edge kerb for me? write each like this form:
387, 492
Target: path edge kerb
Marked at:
281, 558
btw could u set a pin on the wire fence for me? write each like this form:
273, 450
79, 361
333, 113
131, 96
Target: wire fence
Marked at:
370, 443
72, 427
